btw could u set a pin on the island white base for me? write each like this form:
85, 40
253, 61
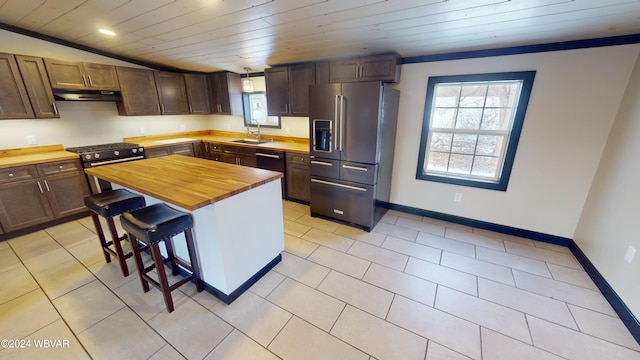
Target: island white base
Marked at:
238, 239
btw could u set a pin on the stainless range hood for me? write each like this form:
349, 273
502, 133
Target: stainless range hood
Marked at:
87, 95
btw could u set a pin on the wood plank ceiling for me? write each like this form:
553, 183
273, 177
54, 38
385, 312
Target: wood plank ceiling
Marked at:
211, 35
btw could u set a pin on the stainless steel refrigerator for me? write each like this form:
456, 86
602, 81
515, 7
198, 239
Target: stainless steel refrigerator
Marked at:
352, 135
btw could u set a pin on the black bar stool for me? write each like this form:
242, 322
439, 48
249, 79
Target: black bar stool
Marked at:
109, 204
152, 225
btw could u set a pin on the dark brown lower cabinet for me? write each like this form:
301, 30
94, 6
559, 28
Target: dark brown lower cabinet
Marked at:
298, 177
239, 155
180, 149
35, 194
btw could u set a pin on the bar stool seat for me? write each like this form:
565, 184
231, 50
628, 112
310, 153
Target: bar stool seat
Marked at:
109, 204
149, 227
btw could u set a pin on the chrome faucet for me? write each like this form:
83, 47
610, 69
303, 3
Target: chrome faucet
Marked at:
258, 131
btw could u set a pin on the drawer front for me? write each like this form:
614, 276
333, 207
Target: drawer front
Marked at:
183, 149
213, 147
360, 173
230, 149
60, 167
325, 168
299, 159
18, 173
345, 201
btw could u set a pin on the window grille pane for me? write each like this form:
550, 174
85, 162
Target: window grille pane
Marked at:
489, 145
473, 95
460, 164
447, 95
503, 94
464, 144
438, 161
497, 119
485, 166
469, 118
444, 118
441, 142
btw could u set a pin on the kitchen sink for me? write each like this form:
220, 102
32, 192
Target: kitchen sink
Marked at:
250, 141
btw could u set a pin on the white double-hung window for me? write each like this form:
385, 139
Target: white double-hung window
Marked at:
471, 128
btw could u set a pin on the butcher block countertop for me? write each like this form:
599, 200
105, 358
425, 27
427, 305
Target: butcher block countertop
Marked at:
279, 143
184, 181
34, 155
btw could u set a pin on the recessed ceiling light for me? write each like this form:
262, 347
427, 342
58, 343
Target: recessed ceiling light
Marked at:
107, 32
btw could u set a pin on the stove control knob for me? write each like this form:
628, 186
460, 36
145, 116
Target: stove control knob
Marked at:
134, 150
96, 155
141, 149
116, 152
88, 156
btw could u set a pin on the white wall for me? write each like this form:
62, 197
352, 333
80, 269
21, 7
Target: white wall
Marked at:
610, 221
575, 97
86, 123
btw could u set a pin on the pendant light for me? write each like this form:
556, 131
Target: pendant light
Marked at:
247, 83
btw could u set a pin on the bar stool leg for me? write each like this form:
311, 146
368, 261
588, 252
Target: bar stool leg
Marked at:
195, 267
116, 244
103, 241
136, 255
171, 256
162, 276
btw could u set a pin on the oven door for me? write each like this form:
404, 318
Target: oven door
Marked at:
99, 185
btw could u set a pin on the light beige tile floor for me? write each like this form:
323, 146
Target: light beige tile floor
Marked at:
413, 288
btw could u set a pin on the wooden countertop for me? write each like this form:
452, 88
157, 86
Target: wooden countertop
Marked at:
34, 155
279, 143
184, 181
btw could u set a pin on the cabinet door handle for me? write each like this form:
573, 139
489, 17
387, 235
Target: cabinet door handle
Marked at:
55, 108
190, 108
359, 168
160, 111
162, 107
47, 185
339, 185
268, 155
84, 81
40, 187
90, 81
323, 163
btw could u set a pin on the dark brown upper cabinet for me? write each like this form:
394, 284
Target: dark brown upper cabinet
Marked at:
197, 93
76, 75
14, 101
34, 75
225, 93
172, 93
139, 94
288, 89
384, 68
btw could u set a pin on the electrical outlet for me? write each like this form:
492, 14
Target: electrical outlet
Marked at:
228, 126
631, 252
31, 140
142, 132
286, 131
182, 127
457, 197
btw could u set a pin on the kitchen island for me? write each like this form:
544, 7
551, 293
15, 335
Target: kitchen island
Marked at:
237, 212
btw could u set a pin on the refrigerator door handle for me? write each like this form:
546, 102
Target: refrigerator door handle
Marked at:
324, 163
359, 168
341, 122
339, 185
336, 116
